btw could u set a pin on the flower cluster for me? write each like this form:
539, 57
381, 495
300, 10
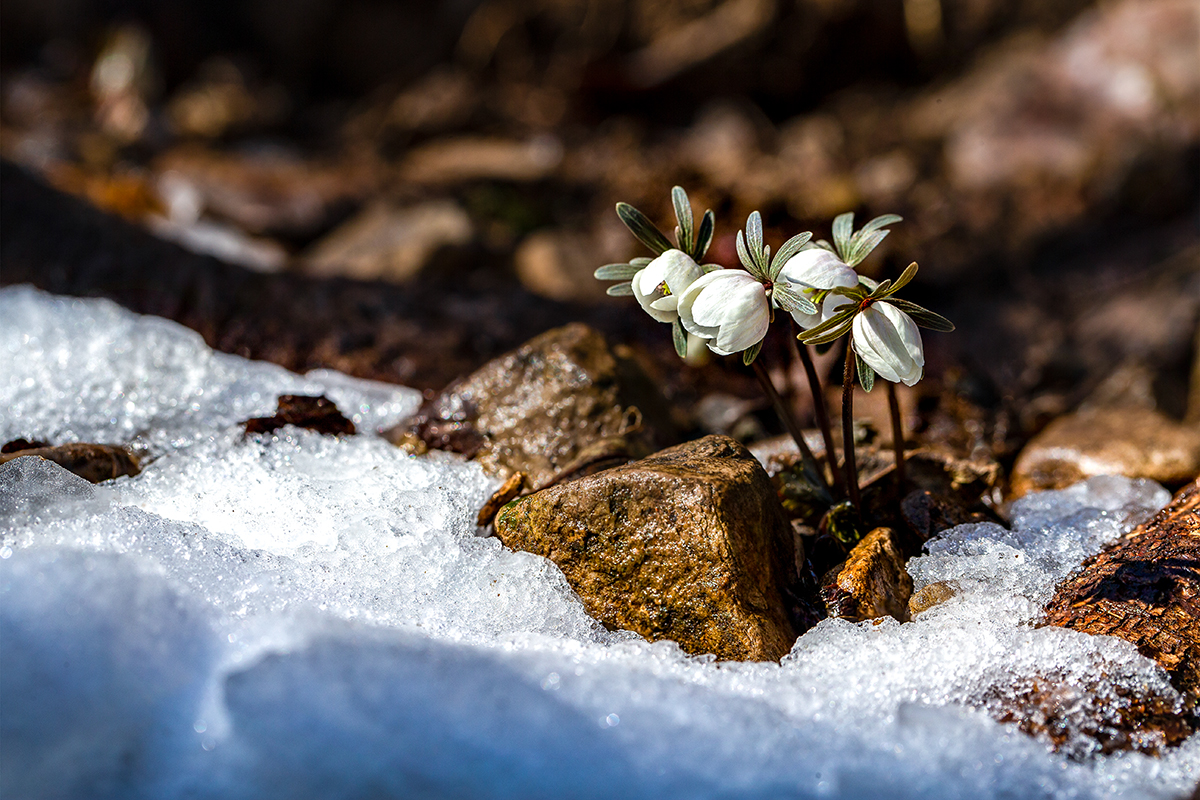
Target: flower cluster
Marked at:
813, 281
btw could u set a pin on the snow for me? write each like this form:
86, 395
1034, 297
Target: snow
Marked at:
306, 616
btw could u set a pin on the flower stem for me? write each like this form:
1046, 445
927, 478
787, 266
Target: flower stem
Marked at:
814, 384
897, 438
789, 422
848, 430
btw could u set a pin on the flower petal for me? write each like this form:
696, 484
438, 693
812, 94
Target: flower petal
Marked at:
885, 341
818, 268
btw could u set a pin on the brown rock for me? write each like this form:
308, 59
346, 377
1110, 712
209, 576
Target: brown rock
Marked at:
92, 462
1146, 590
872, 583
689, 544
558, 403
933, 594
1136, 443
315, 413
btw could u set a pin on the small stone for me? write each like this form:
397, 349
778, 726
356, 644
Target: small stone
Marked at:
392, 244
689, 544
872, 582
1146, 590
927, 514
557, 405
502, 496
1134, 442
314, 413
931, 595
92, 462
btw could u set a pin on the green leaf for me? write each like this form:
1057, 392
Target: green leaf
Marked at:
843, 225
742, 254
831, 335
880, 291
683, 213
909, 273
616, 272
861, 247
704, 235
751, 352
619, 290
645, 231
707, 268
880, 222
828, 325
821, 243
866, 375
790, 248
640, 261
792, 301
856, 293
754, 239
679, 335
923, 316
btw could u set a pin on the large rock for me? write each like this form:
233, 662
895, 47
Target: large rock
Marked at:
92, 462
1146, 590
1134, 442
872, 583
558, 404
689, 544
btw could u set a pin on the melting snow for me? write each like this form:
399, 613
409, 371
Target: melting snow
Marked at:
300, 616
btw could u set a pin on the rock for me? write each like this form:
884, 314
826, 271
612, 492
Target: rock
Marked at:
1101, 718
1146, 590
872, 583
391, 244
927, 514
314, 413
558, 403
689, 544
1136, 443
930, 595
92, 462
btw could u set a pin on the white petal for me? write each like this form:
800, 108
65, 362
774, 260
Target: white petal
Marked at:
819, 269
877, 343
687, 299
726, 295
910, 334
679, 270
668, 303
743, 331
645, 285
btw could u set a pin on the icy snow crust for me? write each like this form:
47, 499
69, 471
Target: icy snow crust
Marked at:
299, 616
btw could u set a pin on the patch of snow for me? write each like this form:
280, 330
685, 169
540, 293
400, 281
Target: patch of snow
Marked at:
300, 616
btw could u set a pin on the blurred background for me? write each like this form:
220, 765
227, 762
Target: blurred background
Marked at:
402, 190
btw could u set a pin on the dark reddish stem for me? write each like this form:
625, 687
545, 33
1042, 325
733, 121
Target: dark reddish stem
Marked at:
789, 421
848, 430
814, 384
897, 437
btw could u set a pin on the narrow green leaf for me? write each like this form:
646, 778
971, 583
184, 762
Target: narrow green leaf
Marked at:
866, 375
619, 290
881, 222
707, 268
704, 235
792, 301
923, 316
861, 246
790, 248
870, 283
831, 335
683, 213
751, 352
909, 273
641, 227
843, 225
754, 238
856, 293
742, 253
821, 243
881, 290
679, 335
640, 261
834, 321
616, 272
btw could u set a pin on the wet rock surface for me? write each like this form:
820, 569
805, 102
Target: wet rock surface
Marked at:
556, 407
689, 544
92, 462
1146, 590
318, 414
1135, 442
872, 582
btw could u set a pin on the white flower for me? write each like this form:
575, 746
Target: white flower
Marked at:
815, 270
888, 340
658, 285
728, 307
